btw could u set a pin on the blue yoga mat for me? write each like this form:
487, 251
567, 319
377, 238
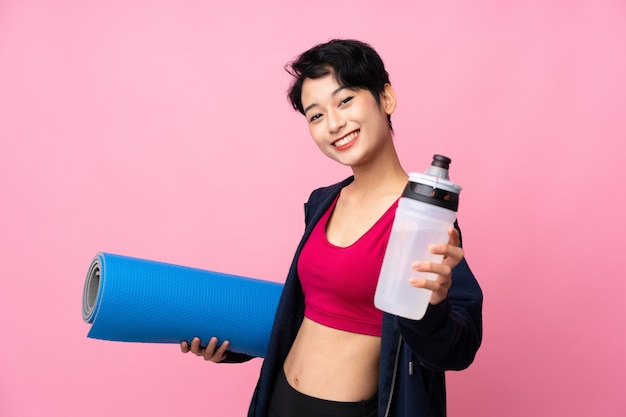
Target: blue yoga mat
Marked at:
137, 300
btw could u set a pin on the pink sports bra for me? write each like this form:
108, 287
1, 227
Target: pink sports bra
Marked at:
339, 283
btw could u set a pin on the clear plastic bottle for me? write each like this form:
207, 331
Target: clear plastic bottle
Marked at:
425, 212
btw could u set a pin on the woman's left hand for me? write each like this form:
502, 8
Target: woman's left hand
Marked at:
452, 255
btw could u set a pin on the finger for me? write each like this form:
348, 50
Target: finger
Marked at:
195, 346
184, 346
441, 281
438, 288
443, 269
429, 284
210, 348
451, 254
454, 238
220, 354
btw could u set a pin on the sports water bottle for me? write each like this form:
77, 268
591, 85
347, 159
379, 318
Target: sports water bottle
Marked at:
425, 212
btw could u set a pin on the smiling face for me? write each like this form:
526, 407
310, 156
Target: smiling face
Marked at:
347, 124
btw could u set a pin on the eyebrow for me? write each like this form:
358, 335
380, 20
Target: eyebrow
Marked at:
333, 94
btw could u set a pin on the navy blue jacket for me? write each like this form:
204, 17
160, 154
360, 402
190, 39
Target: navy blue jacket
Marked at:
414, 354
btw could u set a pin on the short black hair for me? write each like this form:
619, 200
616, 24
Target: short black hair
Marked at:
353, 63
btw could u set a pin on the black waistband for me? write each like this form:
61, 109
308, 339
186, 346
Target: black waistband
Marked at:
288, 402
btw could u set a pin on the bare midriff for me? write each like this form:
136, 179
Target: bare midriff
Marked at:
333, 364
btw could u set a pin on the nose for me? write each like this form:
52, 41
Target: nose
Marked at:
335, 121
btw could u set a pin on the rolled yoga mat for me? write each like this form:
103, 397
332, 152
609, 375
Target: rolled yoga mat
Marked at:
137, 300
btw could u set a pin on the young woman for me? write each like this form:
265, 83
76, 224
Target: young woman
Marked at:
331, 352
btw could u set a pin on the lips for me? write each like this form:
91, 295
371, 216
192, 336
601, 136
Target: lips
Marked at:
346, 141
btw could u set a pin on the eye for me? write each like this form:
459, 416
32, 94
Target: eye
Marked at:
315, 117
345, 101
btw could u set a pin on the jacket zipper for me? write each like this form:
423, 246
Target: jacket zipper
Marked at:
393, 380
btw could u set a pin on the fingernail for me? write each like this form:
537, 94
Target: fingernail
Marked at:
417, 281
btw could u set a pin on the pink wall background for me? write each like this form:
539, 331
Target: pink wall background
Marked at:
131, 127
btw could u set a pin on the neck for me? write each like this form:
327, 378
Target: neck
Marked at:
384, 174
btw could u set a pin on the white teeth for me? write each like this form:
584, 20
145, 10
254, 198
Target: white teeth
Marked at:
347, 139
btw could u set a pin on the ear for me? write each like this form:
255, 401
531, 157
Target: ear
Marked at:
388, 99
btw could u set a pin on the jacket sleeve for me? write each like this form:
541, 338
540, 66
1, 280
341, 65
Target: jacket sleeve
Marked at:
236, 357
450, 333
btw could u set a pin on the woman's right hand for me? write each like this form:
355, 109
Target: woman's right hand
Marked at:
210, 353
